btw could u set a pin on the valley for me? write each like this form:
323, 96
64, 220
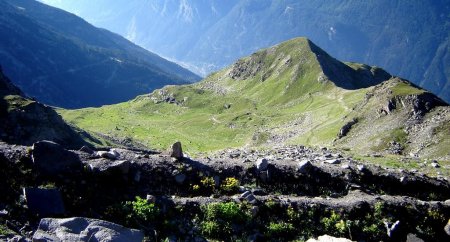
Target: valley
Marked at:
292, 93
102, 140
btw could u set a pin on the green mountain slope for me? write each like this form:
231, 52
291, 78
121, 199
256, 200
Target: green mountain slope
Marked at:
61, 60
291, 93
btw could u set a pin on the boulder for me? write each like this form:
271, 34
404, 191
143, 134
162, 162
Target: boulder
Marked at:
413, 238
86, 149
249, 197
304, 166
262, 164
327, 238
176, 151
333, 161
84, 229
111, 154
447, 228
391, 229
50, 158
45, 202
106, 166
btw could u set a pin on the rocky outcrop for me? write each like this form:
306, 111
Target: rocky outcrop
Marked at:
25, 121
346, 128
84, 229
305, 190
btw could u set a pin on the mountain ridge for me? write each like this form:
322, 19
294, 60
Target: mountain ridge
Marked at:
382, 33
62, 60
280, 95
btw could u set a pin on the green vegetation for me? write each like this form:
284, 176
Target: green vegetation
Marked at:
230, 184
142, 211
219, 219
280, 230
275, 96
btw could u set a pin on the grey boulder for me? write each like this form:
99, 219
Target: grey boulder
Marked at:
84, 229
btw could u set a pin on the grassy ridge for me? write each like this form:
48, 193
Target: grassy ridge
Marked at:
280, 95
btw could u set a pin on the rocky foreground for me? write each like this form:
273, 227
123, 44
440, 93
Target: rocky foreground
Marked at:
288, 193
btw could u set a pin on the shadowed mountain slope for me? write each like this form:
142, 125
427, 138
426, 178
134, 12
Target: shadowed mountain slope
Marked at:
62, 60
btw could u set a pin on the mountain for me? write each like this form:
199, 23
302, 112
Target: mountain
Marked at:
408, 38
61, 60
25, 121
290, 93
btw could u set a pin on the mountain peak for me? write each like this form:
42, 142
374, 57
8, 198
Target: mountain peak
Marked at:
296, 67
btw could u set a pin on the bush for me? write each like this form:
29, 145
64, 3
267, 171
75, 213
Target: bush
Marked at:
230, 184
142, 210
228, 211
280, 230
220, 218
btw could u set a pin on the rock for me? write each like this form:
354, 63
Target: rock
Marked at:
304, 166
176, 151
435, 164
262, 164
84, 229
105, 166
447, 228
333, 161
361, 168
327, 238
413, 238
346, 128
50, 158
403, 180
254, 211
345, 166
44, 202
391, 229
180, 178
151, 198
17, 238
249, 197
86, 149
3, 212
112, 154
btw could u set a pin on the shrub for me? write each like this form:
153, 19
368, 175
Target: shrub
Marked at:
228, 211
221, 218
208, 182
142, 210
280, 230
230, 184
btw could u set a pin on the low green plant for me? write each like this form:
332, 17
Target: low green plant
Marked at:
142, 210
208, 182
212, 229
230, 184
334, 224
219, 219
280, 230
4, 230
227, 211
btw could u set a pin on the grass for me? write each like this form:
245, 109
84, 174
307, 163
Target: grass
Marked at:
283, 102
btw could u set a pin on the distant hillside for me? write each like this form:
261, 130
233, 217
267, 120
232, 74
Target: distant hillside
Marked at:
291, 93
62, 60
409, 38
